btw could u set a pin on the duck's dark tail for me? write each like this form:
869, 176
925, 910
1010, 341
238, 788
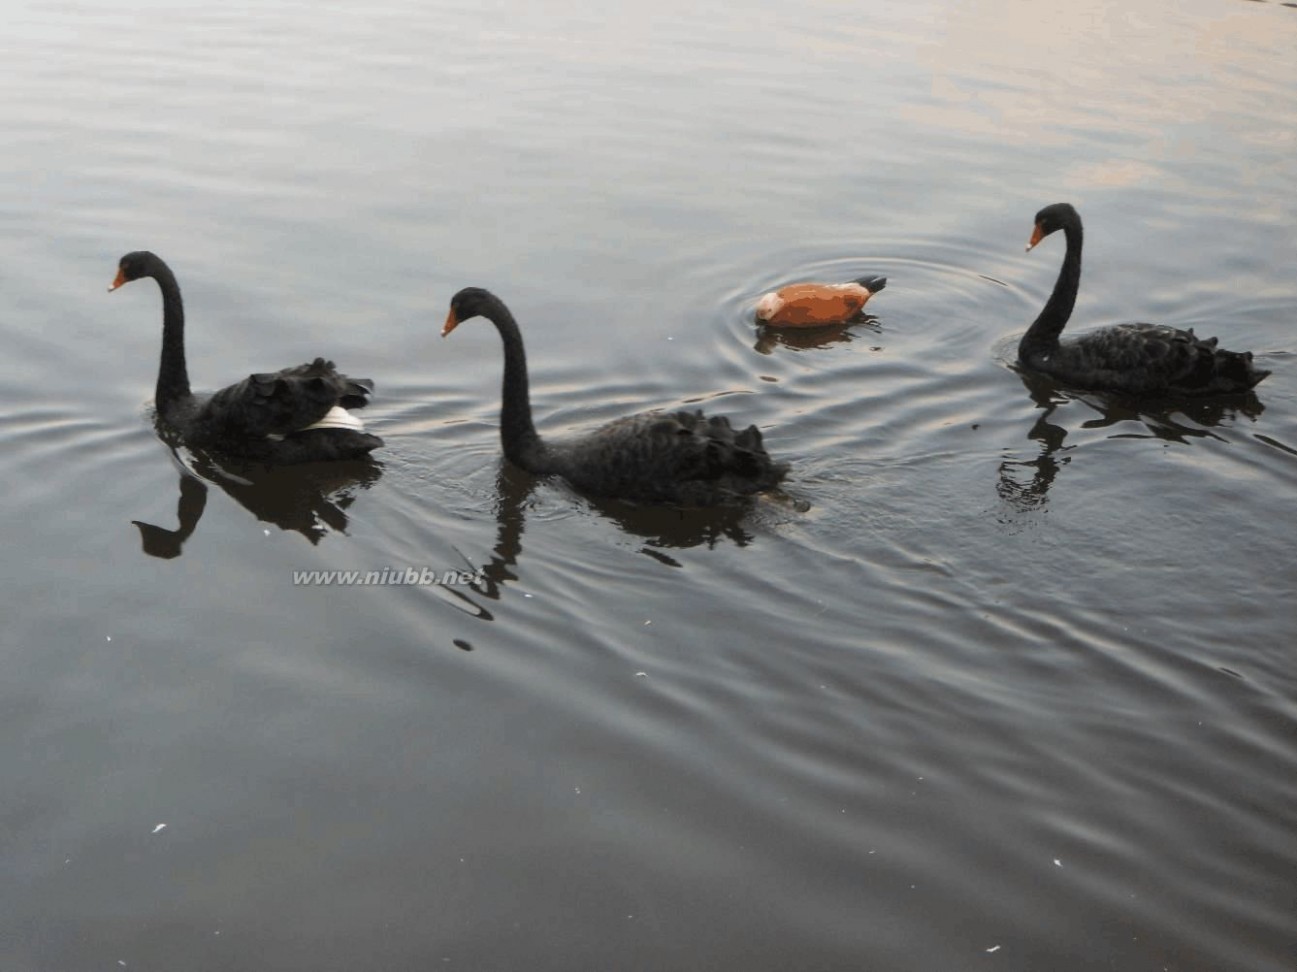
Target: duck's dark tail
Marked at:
873, 283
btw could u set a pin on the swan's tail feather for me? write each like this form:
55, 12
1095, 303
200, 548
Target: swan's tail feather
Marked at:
350, 392
750, 439
1234, 370
355, 394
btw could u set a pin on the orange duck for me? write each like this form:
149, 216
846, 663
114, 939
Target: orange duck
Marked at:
817, 304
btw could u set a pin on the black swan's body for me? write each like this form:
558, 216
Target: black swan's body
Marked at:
681, 458
295, 415
1135, 359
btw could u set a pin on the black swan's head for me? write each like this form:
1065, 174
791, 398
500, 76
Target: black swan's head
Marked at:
1053, 218
468, 303
133, 266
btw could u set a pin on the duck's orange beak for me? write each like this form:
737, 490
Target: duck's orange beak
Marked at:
117, 281
452, 322
1037, 235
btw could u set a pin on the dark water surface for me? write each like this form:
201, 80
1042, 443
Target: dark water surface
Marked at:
1005, 681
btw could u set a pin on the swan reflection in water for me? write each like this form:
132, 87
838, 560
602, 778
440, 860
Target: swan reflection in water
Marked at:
661, 528
310, 498
1025, 483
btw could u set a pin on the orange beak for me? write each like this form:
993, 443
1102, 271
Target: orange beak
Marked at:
1037, 235
117, 281
452, 322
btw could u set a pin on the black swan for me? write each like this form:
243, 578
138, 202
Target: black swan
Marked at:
295, 415
1137, 359
817, 304
680, 458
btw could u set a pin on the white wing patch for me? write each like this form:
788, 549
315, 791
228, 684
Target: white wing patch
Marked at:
338, 418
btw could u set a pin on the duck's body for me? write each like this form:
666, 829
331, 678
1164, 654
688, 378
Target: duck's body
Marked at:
1148, 360
680, 458
295, 415
817, 304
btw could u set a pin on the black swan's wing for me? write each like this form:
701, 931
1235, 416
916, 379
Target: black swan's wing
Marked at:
1156, 358
682, 457
283, 402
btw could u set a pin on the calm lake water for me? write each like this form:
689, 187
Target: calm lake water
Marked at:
1005, 681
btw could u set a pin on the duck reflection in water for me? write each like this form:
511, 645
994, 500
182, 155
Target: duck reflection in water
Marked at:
310, 499
810, 338
1174, 421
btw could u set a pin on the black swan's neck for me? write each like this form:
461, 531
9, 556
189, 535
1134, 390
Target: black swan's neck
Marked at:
522, 445
1042, 336
173, 377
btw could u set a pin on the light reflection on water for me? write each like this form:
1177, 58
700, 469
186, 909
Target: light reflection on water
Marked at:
1007, 667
